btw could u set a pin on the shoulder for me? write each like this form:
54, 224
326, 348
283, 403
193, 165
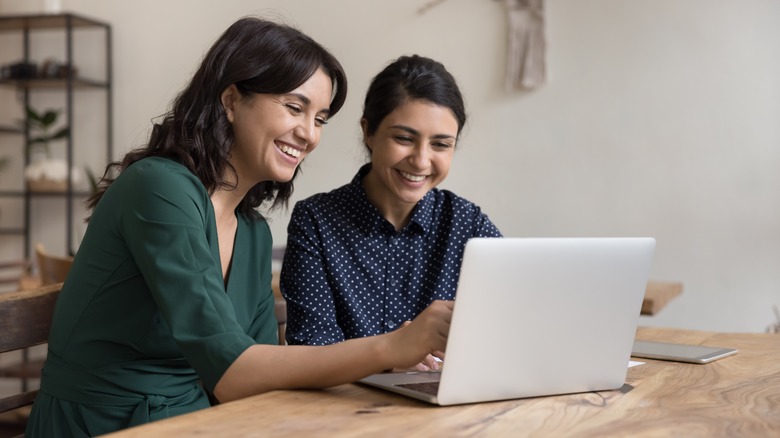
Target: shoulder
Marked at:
326, 202
445, 199
157, 188
162, 177
156, 170
466, 214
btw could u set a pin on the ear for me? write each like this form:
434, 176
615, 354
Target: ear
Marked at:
364, 127
229, 98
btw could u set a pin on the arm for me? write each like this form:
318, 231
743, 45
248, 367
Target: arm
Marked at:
264, 368
168, 228
311, 311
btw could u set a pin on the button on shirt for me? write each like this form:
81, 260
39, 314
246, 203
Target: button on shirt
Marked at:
347, 272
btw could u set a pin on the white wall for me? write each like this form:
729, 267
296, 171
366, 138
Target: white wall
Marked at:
659, 118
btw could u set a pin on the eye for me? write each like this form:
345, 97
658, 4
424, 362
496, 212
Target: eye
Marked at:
442, 145
321, 121
295, 109
403, 140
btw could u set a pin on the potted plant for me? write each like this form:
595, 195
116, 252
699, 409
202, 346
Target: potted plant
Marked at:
45, 173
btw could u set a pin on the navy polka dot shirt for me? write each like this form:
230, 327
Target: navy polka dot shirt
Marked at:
347, 272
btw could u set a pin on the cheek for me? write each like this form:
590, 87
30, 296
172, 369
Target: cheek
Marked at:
443, 164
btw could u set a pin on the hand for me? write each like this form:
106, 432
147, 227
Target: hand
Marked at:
415, 343
432, 362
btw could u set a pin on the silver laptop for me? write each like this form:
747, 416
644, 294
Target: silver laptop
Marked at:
536, 317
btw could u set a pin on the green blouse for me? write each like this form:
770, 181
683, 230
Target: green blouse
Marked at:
144, 318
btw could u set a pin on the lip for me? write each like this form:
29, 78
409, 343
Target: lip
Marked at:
287, 157
409, 183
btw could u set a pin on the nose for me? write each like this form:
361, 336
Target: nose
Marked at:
309, 132
420, 156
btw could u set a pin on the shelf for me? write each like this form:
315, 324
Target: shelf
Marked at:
66, 25
11, 231
21, 194
50, 84
10, 130
54, 21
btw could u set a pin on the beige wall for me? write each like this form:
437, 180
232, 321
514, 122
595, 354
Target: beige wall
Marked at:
659, 118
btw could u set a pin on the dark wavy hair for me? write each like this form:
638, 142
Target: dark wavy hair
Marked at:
408, 78
258, 56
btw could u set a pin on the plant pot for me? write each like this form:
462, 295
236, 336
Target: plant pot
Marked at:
50, 175
46, 185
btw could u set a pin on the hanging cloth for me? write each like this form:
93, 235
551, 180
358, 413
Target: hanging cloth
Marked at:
525, 64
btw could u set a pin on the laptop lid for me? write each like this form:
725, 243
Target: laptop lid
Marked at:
540, 316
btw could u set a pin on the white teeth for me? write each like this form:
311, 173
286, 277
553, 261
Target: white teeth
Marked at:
413, 178
290, 151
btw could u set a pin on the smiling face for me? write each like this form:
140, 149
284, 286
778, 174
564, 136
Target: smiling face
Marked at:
411, 152
273, 133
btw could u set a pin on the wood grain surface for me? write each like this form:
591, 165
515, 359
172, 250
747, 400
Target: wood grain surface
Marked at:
736, 396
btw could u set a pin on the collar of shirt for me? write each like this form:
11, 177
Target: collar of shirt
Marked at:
422, 215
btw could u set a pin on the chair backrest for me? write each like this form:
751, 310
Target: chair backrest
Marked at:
13, 271
52, 268
25, 321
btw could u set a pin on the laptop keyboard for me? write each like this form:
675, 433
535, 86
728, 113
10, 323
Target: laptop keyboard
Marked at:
431, 388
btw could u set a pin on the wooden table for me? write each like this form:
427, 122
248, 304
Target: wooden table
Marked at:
735, 396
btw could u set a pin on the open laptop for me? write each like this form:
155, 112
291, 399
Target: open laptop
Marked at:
536, 317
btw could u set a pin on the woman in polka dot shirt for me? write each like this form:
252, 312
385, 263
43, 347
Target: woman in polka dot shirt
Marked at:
366, 257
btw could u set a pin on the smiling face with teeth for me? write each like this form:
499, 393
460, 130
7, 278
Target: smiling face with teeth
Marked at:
411, 153
273, 133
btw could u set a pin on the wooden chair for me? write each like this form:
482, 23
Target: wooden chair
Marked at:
17, 274
25, 321
51, 268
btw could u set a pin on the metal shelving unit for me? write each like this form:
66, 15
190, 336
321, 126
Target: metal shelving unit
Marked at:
71, 84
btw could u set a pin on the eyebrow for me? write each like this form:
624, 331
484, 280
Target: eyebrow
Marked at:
306, 101
417, 133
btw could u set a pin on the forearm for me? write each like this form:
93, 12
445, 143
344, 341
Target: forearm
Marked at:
263, 368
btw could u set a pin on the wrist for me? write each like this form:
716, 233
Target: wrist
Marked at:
384, 350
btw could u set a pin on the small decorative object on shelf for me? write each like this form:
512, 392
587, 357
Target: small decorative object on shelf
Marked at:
51, 68
44, 173
52, 6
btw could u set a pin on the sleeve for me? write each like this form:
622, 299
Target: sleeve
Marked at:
311, 310
165, 224
264, 325
484, 227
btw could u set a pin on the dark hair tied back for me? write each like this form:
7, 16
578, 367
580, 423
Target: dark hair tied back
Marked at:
407, 78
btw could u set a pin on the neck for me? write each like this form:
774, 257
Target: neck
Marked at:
397, 213
225, 203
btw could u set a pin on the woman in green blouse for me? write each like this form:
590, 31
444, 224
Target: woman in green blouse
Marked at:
170, 293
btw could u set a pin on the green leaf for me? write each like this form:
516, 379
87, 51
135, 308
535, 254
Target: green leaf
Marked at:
49, 118
33, 116
62, 133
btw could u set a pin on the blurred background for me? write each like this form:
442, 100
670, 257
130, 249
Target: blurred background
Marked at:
657, 118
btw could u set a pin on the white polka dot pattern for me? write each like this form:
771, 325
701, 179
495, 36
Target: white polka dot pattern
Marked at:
347, 273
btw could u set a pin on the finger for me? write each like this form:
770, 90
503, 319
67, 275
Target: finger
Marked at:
421, 367
430, 362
